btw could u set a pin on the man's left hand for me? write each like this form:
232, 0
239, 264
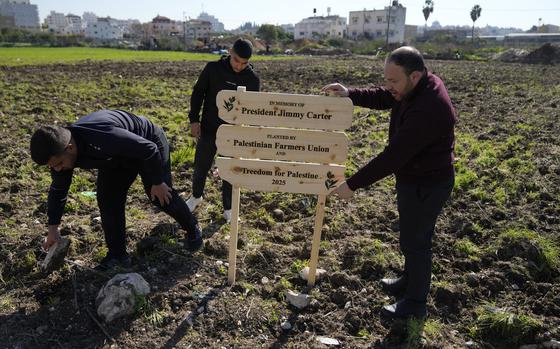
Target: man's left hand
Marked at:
162, 192
343, 191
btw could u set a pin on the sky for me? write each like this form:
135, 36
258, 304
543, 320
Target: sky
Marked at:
502, 13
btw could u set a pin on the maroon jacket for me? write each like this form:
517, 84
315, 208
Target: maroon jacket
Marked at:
421, 134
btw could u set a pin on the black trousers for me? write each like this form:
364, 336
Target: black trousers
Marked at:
112, 190
419, 206
203, 159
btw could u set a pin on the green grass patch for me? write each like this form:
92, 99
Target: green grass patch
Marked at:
14, 56
467, 248
545, 251
504, 328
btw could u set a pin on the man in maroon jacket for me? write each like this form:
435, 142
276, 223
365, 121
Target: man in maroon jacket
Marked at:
420, 154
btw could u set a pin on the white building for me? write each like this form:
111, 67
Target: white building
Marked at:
73, 24
26, 15
320, 26
56, 22
217, 26
196, 29
88, 17
104, 29
373, 24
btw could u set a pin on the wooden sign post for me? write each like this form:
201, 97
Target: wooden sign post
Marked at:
288, 143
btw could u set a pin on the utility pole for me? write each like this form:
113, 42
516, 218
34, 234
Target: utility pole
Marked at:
388, 22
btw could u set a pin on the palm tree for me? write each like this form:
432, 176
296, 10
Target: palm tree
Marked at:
475, 13
427, 9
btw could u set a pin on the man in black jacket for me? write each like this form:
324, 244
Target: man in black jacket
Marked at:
226, 74
420, 154
121, 145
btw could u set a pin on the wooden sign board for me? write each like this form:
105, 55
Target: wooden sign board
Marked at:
282, 144
281, 176
285, 110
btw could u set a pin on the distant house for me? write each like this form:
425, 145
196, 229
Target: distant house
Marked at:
373, 24
73, 24
163, 26
217, 26
24, 14
104, 29
56, 23
318, 27
196, 29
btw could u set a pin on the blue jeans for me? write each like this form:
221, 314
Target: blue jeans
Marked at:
419, 206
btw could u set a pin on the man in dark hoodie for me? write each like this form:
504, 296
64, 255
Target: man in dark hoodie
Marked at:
420, 154
121, 145
226, 74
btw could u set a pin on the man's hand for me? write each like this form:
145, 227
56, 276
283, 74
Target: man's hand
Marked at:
335, 89
195, 130
52, 237
343, 191
162, 192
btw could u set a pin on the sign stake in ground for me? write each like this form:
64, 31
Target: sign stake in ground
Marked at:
282, 143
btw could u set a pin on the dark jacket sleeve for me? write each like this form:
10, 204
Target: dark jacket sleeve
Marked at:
412, 137
199, 93
374, 98
58, 194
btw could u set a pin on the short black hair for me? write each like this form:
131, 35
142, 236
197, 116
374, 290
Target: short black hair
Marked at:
48, 141
243, 48
407, 57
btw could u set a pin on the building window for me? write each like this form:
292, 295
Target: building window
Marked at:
302, 33
379, 19
379, 33
354, 33
392, 19
355, 20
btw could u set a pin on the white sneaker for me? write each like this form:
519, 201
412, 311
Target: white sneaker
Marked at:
192, 202
227, 216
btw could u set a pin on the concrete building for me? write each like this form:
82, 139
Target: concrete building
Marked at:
217, 26
74, 25
7, 22
25, 14
373, 24
163, 26
56, 23
196, 29
88, 17
104, 29
319, 27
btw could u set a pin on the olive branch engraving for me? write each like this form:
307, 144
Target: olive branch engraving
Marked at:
331, 180
228, 104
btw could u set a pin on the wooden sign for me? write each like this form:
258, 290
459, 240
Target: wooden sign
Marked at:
281, 176
285, 110
282, 144
313, 155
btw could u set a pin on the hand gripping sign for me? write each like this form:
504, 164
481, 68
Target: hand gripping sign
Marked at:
284, 143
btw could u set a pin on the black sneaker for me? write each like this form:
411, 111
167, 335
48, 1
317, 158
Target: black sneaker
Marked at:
394, 286
194, 241
406, 308
110, 262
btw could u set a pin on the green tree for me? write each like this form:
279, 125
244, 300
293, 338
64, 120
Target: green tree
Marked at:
268, 32
475, 14
427, 10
